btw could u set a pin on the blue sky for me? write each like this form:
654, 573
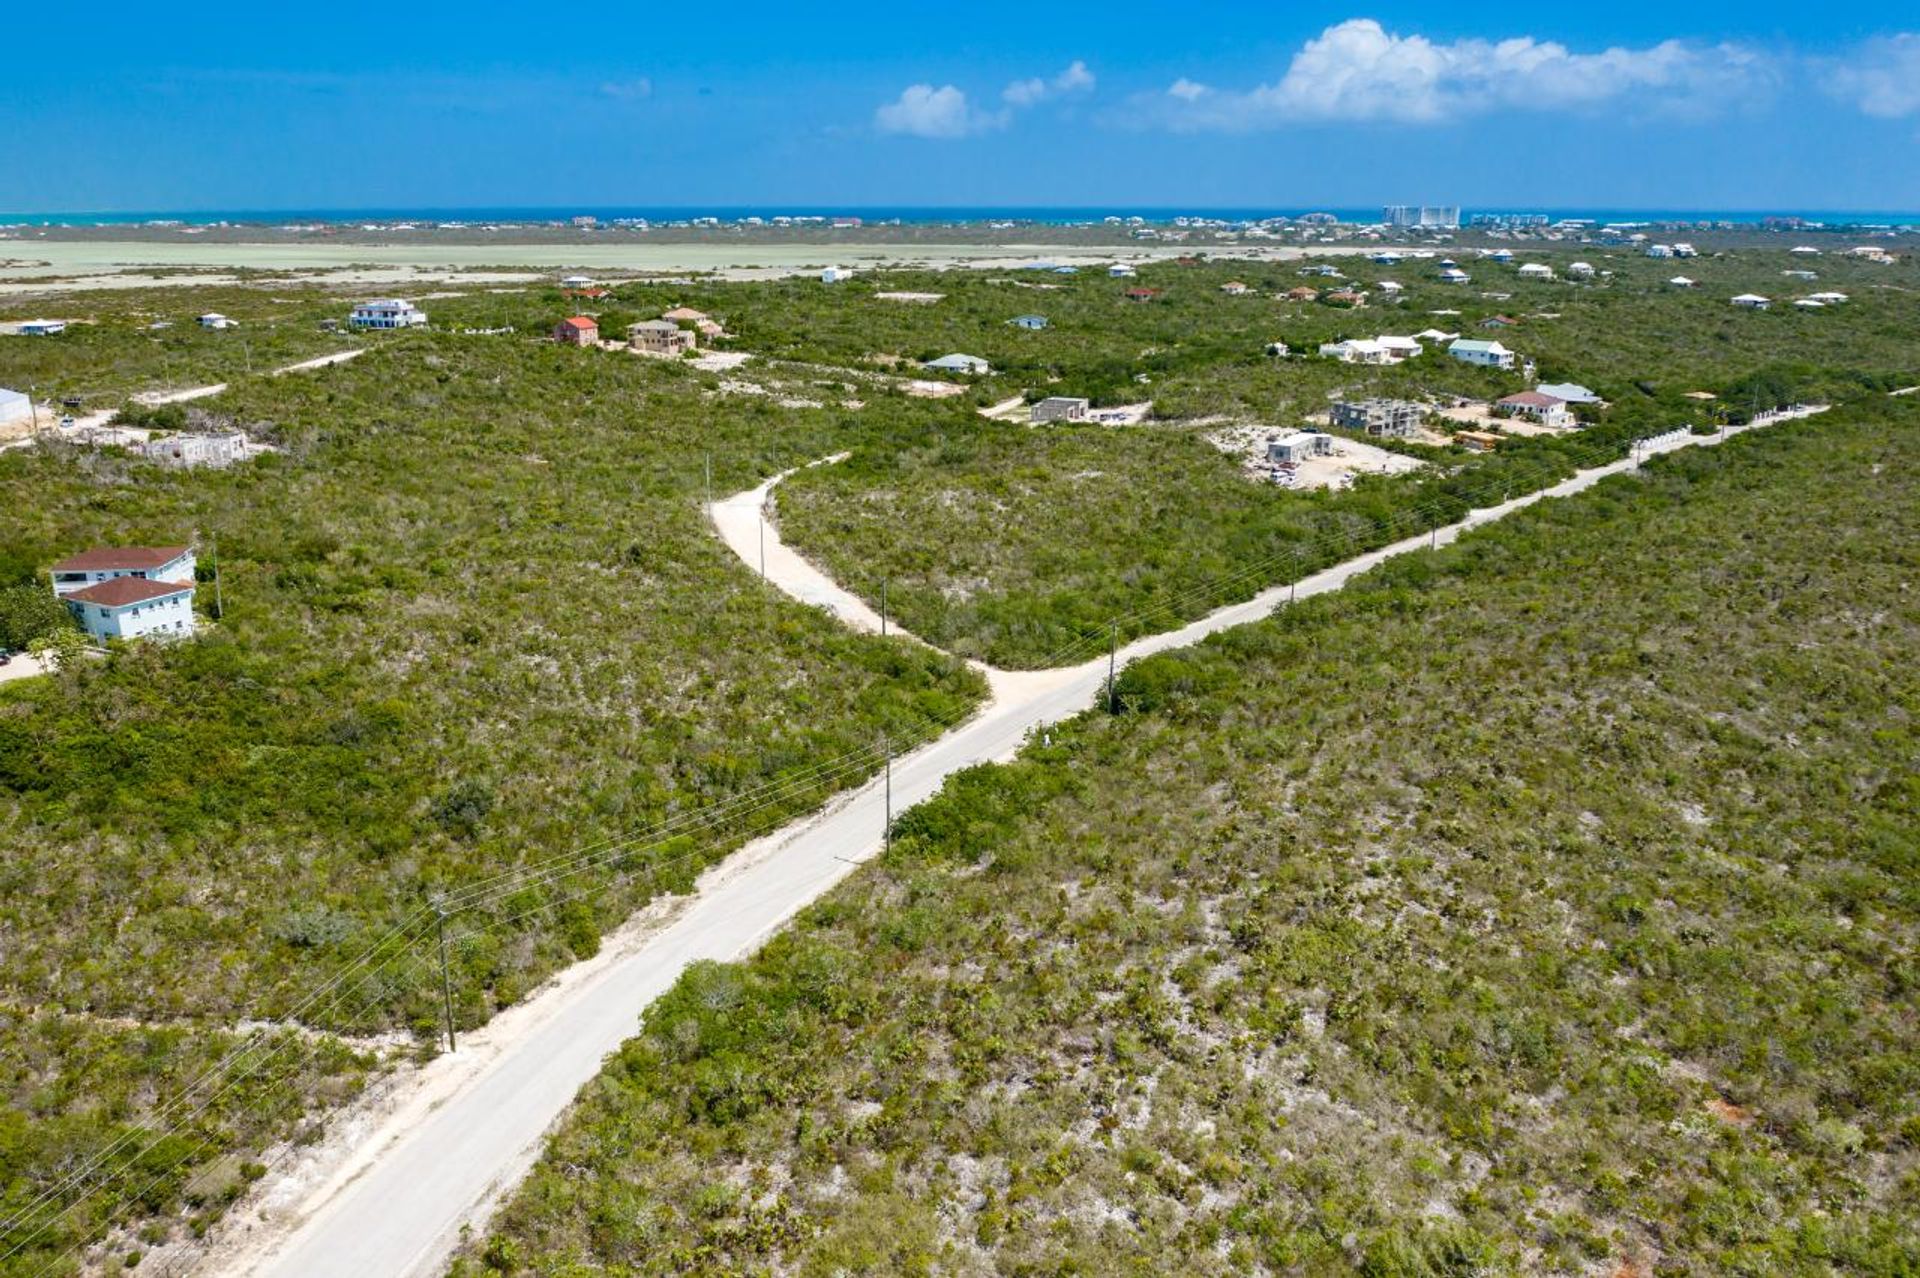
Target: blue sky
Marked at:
116, 105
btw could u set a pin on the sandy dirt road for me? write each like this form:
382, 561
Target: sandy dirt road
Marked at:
443, 1158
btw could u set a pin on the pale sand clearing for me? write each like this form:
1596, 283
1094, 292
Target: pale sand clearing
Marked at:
42, 266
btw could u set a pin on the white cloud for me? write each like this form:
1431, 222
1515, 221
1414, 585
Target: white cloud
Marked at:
1359, 71
1881, 77
628, 90
1025, 93
923, 111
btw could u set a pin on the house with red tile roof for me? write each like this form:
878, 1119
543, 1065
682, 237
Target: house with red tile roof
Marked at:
577, 330
127, 592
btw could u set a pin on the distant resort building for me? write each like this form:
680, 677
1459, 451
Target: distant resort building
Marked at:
215, 320
129, 592
835, 275
1580, 270
1752, 302
42, 328
1536, 271
1121, 271
387, 313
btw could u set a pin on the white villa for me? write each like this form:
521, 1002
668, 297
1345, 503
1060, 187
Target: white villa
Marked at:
1120, 271
1454, 275
1548, 410
129, 591
1680, 281
1361, 350
1536, 271
1580, 270
1486, 354
969, 364
1571, 392
1752, 302
215, 320
388, 313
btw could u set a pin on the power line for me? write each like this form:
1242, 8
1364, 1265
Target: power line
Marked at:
736, 810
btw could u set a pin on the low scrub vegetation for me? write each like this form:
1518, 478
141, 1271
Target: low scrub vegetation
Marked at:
1541, 905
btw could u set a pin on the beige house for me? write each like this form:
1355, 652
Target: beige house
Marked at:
660, 337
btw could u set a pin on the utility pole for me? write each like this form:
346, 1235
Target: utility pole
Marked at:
883, 607
219, 601
1113, 657
763, 543
446, 981
709, 479
886, 832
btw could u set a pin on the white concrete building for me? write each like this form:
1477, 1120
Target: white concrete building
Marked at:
1547, 410
1299, 445
42, 328
1121, 271
835, 274
215, 320
1536, 271
125, 592
1060, 408
153, 563
133, 608
1752, 302
1580, 270
1486, 354
1454, 275
213, 449
387, 313
14, 407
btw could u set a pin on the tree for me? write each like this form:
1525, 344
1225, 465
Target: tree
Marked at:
59, 647
29, 612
